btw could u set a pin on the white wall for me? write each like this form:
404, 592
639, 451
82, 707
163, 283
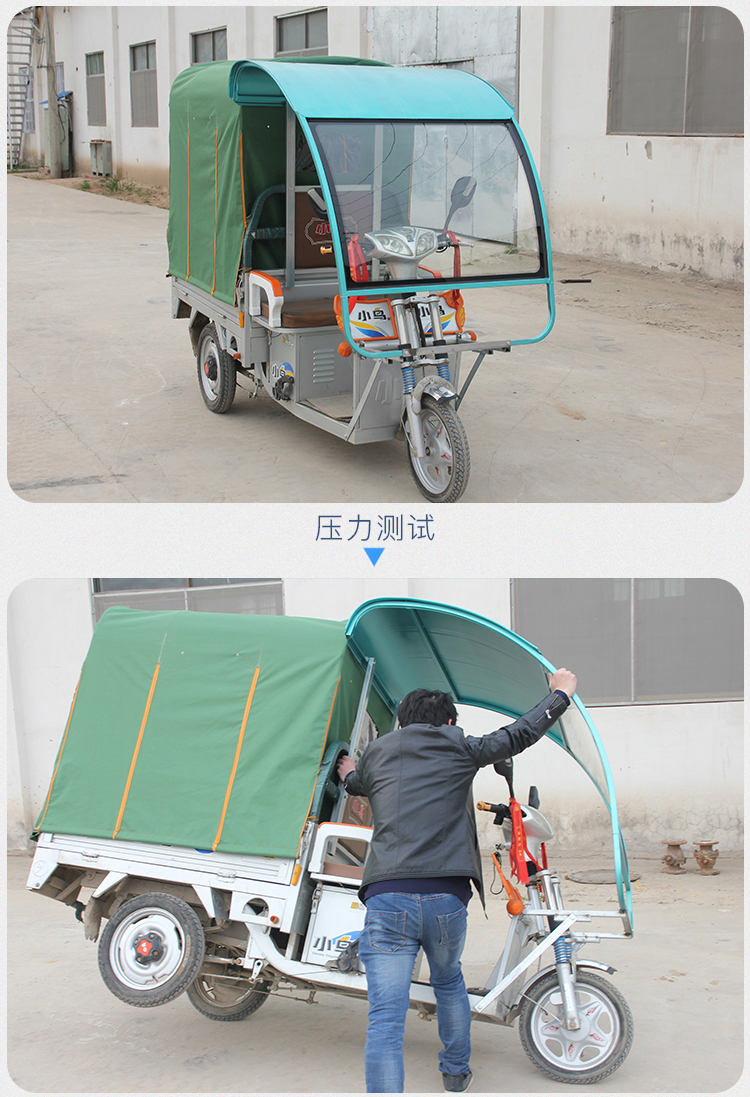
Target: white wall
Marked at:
668, 202
142, 153
677, 772
678, 769
49, 631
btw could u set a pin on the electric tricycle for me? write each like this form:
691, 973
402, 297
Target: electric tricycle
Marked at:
196, 825
325, 216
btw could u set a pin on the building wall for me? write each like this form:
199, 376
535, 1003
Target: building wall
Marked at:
49, 631
142, 153
482, 40
678, 769
669, 202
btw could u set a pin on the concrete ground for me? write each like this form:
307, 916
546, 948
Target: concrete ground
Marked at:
636, 396
681, 973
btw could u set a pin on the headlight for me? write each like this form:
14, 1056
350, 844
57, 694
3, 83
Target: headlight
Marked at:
427, 242
393, 244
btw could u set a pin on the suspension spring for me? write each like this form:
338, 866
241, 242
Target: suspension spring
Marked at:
563, 950
410, 381
444, 369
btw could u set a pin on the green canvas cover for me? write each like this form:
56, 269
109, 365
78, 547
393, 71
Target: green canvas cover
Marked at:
221, 158
203, 730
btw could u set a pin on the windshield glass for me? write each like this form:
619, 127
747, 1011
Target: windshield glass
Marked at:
431, 199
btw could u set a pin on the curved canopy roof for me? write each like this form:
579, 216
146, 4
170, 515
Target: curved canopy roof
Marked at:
416, 643
343, 87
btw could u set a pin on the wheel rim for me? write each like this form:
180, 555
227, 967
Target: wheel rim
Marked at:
211, 371
223, 991
131, 933
574, 1051
435, 470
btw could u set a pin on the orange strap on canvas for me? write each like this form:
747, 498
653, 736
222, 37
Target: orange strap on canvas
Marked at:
59, 756
232, 775
216, 204
242, 186
126, 793
187, 259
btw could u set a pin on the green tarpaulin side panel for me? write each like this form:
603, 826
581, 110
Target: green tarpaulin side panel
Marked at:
206, 220
217, 149
183, 747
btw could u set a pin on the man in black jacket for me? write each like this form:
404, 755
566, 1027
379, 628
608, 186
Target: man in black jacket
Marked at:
423, 859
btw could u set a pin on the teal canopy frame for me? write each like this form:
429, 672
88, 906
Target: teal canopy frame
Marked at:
417, 643
350, 88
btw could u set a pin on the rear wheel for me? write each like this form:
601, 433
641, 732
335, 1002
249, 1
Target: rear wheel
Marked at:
226, 996
442, 475
151, 949
584, 1056
216, 372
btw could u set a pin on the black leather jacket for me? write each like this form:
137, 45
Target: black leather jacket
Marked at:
418, 781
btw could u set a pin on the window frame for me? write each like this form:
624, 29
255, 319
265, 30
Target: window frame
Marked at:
195, 35
144, 88
305, 51
618, 82
635, 594
180, 590
96, 91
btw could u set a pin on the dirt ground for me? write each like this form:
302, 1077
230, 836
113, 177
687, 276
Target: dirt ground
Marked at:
681, 974
127, 190
636, 396
675, 300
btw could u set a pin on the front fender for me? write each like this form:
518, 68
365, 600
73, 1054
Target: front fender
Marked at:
432, 386
515, 1008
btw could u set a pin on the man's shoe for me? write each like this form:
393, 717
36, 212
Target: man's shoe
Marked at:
457, 1083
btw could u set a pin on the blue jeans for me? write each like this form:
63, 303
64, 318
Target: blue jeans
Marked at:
395, 926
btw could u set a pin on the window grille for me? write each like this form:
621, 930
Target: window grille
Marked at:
143, 88
95, 90
637, 641
302, 34
210, 45
206, 595
676, 71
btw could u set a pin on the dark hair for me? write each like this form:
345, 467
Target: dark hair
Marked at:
426, 706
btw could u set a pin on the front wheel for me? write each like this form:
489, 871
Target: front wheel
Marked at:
584, 1056
216, 372
442, 475
151, 949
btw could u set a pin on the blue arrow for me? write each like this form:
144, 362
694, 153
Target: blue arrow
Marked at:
374, 555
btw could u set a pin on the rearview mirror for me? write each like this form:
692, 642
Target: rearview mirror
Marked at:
461, 195
318, 202
505, 769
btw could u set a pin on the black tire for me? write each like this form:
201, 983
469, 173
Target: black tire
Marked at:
444, 474
227, 997
152, 925
582, 1058
217, 375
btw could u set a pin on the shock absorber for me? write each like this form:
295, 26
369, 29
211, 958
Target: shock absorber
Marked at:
563, 950
407, 372
443, 368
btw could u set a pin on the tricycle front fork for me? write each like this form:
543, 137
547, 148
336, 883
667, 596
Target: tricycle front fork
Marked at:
563, 947
411, 334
